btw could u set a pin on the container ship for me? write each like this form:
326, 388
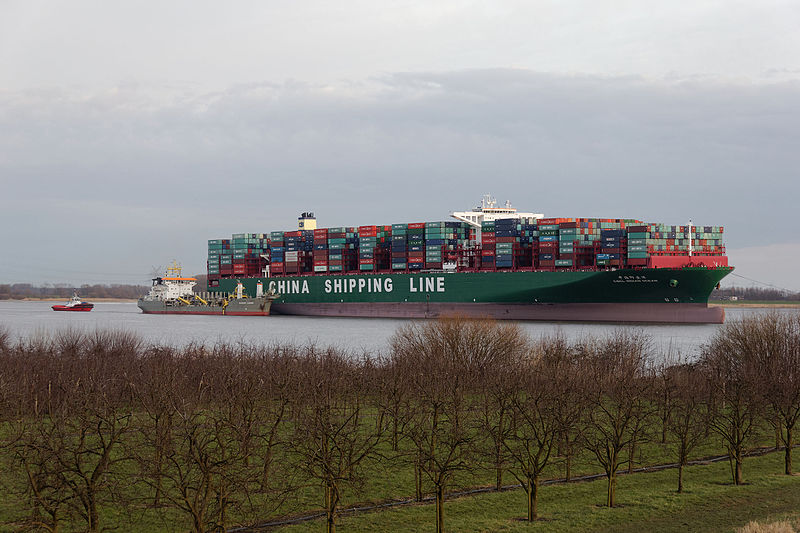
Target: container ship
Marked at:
490, 262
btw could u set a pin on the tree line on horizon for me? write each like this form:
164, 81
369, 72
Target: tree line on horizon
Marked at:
234, 434
754, 294
20, 291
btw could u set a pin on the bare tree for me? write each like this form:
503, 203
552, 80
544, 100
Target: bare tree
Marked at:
441, 365
730, 364
193, 458
70, 447
498, 350
535, 408
334, 432
618, 371
569, 364
774, 340
689, 412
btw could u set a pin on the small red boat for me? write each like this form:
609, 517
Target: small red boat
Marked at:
75, 304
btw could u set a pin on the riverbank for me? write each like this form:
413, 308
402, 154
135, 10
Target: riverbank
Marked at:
755, 305
91, 300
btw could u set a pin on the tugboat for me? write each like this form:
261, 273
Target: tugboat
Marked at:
172, 294
74, 304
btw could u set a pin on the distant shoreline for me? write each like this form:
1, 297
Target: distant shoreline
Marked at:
717, 303
90, 300
756, 305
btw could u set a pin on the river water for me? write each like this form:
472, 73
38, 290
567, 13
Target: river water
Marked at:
25, 319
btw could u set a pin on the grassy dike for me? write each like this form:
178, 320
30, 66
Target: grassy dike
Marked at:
647, 502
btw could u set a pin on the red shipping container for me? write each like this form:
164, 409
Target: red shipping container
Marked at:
321, 232
506, 239
417, 225
487, 253
292, 234
320, 263
365, 261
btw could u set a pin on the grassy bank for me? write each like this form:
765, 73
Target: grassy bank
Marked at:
647, 502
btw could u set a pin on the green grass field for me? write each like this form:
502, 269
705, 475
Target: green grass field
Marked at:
710, 503
647, 502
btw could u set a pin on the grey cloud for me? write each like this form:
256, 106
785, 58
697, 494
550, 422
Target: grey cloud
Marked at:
171, 166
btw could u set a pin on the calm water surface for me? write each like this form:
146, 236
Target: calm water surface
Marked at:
25, 319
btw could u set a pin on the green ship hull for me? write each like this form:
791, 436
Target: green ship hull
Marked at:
678, 295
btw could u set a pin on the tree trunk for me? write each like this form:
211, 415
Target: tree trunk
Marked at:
222, 505
418, 480
331, 500
631, 453
266, 471
788, 456
739, 479
567, 451
197, 522
612, 487
533, 498
680, 477
439, 509
94, 518
568, 473
731, 463
498, 453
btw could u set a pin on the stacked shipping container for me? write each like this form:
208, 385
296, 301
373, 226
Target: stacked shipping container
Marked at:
505, 244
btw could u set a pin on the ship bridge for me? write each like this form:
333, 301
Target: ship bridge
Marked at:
488, 211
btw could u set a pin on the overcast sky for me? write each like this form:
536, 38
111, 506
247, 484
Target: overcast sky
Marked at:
130, 133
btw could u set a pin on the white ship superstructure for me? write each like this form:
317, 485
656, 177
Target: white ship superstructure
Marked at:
488, 211
171, 286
